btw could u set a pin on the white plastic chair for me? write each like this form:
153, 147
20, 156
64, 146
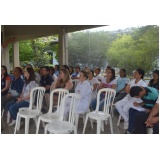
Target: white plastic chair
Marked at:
119, 119
49, 117
36, 96
101, 116
61, 126
75, 82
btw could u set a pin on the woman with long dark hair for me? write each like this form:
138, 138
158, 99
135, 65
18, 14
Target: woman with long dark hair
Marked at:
155, 81
24, 99
108, 82
122, 82
71, 70
126, 103
5, 81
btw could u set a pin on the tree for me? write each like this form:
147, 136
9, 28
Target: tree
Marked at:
137, 49
88, 48
34, 51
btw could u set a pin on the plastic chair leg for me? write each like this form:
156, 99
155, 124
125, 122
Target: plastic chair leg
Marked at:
76, 120
111, 126
2, 113
102, 126
75, 130
19, 124
17, 121
91, 121
84, 117
8, 117
85, 124
37, 130
45, 130
26, 125
119, 120
35, 120
98, 126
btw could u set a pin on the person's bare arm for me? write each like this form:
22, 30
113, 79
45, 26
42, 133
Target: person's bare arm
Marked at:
151, 120
100, 86
69, 85
113, 86
123, 89
8, 82
95, 86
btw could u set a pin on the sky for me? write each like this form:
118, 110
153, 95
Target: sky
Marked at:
113, 27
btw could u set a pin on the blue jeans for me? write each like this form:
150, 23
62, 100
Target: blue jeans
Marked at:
13, 107
101, 103
132, 114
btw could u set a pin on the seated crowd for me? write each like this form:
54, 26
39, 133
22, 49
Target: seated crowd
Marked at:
136, 101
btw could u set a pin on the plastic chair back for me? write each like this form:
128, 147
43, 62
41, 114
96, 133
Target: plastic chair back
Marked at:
109, 96
61, 93
75, 82
74, 102
36, 97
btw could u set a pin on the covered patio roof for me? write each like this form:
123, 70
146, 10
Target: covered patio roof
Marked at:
24, 32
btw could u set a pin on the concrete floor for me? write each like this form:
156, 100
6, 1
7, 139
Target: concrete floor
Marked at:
89, 130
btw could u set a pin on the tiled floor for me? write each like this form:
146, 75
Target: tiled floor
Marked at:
89, 130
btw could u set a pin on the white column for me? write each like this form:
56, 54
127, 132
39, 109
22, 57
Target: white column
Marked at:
6, 55
62, 48
2, 57
66, 48
16, 54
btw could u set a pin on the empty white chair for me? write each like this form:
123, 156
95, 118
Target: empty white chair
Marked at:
36, 96
61, 126
49, 117
101, 116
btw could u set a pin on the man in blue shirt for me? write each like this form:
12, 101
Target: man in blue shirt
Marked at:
76, 74
15, 88
46, 79
149, 97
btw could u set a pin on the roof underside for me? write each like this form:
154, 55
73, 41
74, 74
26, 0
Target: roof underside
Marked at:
24, 32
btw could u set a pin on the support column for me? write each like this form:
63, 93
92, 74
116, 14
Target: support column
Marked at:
6, 55
62, 48
16, 54
2, 50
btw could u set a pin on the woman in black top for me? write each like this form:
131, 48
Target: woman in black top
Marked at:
155, 81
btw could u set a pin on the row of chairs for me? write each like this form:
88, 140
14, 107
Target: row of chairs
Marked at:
55, 120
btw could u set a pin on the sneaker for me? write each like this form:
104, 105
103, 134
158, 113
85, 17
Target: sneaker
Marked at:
12, 123
127, 132
125, 125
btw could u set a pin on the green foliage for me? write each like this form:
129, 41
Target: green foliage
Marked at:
137, 49
34, 51
88, 48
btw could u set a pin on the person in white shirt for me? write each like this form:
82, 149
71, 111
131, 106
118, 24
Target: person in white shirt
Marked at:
126, 103
24, 99
51, 72
93, 81
97, 71
84, 89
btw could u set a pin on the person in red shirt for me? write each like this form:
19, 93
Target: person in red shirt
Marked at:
5, 81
